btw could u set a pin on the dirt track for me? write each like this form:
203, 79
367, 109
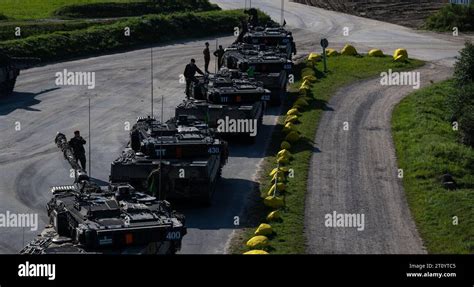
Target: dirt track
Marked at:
355, 171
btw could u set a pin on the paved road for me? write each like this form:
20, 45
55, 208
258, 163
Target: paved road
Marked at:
30, 163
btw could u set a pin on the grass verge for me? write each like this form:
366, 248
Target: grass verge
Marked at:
145, 30
427, 147
343, 70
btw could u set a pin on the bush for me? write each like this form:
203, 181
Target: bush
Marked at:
38, 28
107, 38
461, 102
450, 16
464, 67
3, 17
111, 10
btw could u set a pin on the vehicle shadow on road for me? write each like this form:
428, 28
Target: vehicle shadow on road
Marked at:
226, 209
23, 101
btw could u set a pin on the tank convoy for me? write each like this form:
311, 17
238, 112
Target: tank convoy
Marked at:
229, 102
178, 159
10, 70
88, 219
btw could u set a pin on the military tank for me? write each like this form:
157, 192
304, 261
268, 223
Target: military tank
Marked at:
10, 70
180, 159
268, 67
228, 101
272, 37
88, 219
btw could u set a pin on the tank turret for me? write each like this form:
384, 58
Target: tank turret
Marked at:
117, 219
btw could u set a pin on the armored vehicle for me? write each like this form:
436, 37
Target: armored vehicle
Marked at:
228, 101
118, 219
275, 37
178, 159
9, 71
267, 67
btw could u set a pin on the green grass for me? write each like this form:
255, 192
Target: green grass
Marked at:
343, 70
40, 9
427, 147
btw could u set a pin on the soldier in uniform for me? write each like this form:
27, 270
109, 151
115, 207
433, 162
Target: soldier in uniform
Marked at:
207, 57
190, 75
77, 144
219, 53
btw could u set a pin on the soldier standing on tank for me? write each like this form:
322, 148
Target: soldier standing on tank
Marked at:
190, 75
219, 53
207, 57
77, 144
243, 30
156, 183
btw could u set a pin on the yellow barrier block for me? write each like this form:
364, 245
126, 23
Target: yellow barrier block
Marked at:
310, 78
349, 50
264, 229
331, 52
291, 119
284, 153
279, 177
314, 57
279, 169
256, 252
274, 215
283, 160
289, 127
306, 83
401, 58
400, 52
257, 242
274, 202
293, 112
376, 53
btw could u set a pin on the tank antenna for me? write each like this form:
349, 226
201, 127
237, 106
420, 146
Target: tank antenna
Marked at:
151, 75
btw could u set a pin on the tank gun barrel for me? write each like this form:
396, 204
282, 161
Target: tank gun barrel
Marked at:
63, 145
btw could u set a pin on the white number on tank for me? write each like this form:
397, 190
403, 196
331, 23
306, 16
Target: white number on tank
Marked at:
173, 235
